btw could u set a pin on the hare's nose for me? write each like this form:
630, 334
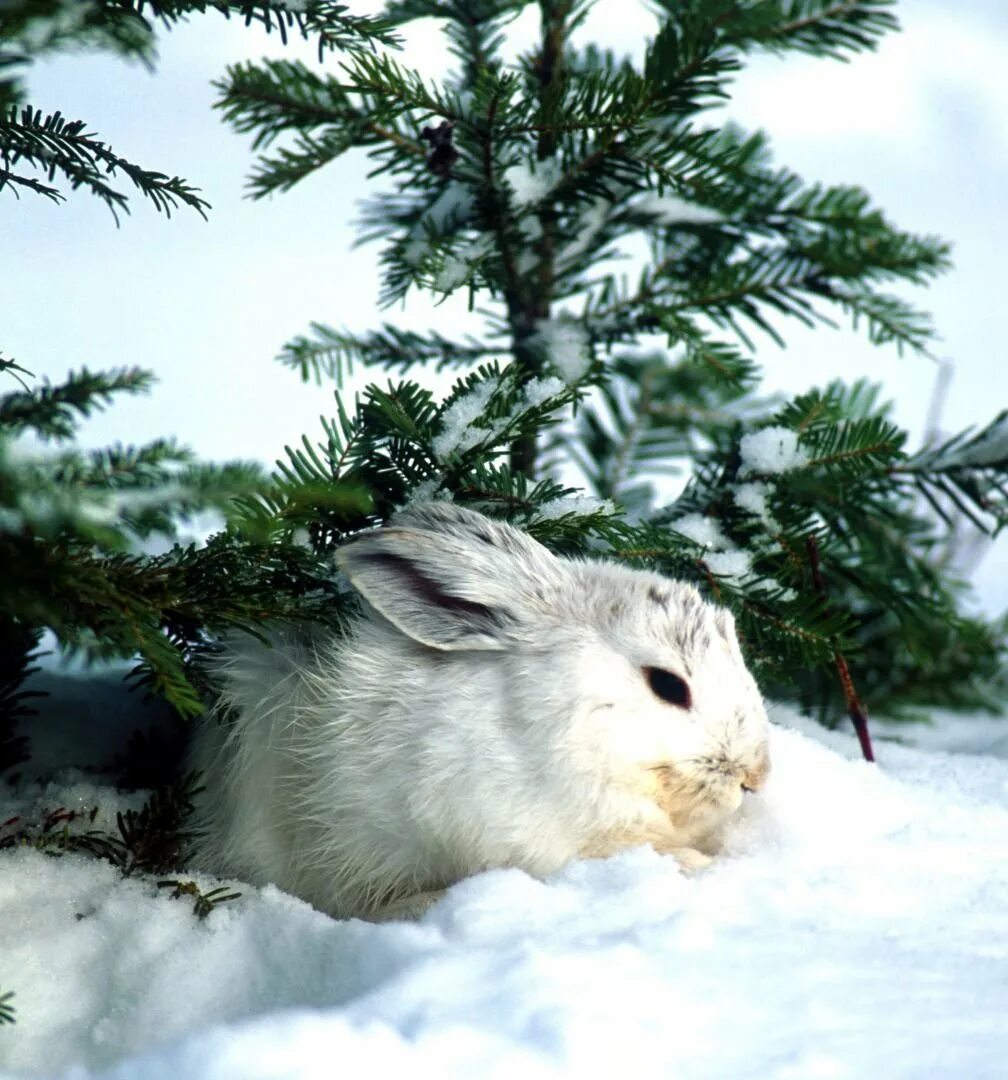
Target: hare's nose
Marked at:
754, 779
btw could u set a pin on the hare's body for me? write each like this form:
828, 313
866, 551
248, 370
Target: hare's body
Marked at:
498, 713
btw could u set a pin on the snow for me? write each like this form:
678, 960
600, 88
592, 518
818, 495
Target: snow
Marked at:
733, 565
526, 261
10, 520
567, 347
457, 267
592, 221
769, 451
578, 505
530, 185
539, 390
702, 530
671, 210
856, 926
457, 430
452, 207
753, 498
415, 250
452, 274
426, 491
722, 557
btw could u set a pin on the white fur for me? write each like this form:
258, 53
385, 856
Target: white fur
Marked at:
488, 709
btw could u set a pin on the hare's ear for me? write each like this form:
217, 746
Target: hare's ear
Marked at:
450, 519
444, 590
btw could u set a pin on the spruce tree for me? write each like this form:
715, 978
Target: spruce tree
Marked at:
516, 182
75, 525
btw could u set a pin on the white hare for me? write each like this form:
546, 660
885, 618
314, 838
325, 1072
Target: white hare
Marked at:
494, 706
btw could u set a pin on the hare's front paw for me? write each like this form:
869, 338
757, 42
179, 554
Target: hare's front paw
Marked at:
688, 858
669, 843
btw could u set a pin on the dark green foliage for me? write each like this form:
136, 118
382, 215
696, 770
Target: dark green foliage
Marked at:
37, 150
70, 521
151, 840
330, 353
17, 648
7, 1010
54, 146
53, 412
61, 832
518, 182
892, 596
76, 527
965, 475
203, 902
154, 839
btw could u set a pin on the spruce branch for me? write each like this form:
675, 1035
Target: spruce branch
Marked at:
475, 30
968, 471
830, 28
332, 353
34, 28
12, 181
7, 1010
14, 369
330, 24
154, 839
56, 146
203, 902
60, 832
395, 89
280, 96
538, 171
18, 651
888, 318
855, 446
275, 95
53, 410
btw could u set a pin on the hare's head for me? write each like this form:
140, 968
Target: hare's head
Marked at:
644, 677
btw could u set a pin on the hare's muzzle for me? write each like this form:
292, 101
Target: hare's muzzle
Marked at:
753, 779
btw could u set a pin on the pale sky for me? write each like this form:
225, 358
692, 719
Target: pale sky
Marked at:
920, 124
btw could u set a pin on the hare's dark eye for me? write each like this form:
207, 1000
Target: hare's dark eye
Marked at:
668, 687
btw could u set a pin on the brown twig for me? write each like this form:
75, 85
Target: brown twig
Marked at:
855, 710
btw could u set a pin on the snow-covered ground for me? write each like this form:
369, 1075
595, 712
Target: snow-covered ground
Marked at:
858, 927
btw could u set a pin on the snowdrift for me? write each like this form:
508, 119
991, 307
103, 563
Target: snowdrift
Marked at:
858, 926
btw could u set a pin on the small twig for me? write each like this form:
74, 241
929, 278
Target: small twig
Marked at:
855, 710
394, 137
